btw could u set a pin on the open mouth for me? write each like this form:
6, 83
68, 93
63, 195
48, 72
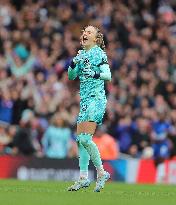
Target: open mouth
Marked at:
85, 39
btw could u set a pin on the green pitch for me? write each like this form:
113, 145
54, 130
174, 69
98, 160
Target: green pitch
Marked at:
13, 192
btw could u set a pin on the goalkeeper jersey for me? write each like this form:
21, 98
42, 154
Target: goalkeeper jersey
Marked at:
96, 59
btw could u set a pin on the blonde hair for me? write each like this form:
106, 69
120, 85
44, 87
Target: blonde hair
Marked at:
99, 37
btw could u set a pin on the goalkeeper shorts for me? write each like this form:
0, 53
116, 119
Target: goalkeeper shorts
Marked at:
92, 109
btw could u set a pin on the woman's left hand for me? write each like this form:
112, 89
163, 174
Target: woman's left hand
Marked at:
88, 72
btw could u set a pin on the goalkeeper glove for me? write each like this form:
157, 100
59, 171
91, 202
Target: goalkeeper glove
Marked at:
72, 64
75, 60
88, 72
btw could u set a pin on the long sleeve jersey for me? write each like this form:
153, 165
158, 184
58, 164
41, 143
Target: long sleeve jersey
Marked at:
95, 59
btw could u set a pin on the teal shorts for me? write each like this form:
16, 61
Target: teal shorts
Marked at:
92, 109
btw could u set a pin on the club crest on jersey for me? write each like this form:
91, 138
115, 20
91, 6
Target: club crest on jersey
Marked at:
86, 61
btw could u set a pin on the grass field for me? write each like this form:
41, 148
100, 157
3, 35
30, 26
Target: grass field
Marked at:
13, 192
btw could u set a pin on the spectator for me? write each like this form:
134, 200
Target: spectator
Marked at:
6, 106
4, 138
22, 142
160, 141
140, 138
57, 138
107, 145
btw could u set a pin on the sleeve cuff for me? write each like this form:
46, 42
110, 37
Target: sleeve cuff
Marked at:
97, 75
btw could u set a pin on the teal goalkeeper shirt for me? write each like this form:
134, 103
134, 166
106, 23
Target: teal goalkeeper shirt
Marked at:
96, 59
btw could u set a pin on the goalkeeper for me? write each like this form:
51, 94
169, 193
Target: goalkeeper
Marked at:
91, 66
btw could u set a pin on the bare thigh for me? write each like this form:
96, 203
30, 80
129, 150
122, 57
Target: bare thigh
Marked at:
86, 127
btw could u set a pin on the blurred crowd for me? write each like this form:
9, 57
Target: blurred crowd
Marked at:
39, 105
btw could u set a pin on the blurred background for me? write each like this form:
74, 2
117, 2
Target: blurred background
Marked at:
39, 105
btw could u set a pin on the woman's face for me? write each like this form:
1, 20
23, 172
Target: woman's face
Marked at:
59, 121
88, 37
